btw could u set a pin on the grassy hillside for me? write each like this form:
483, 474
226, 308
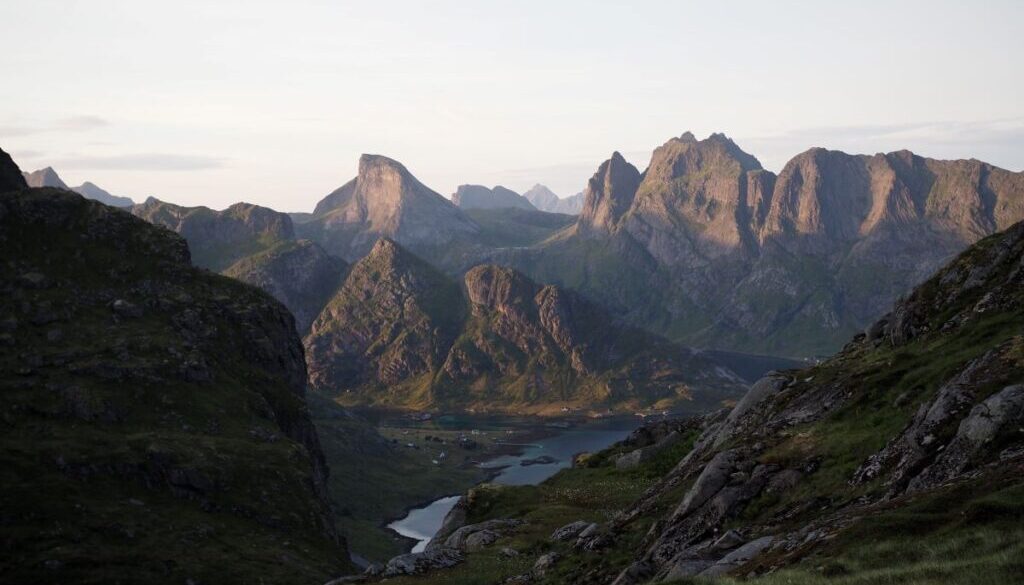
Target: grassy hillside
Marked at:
154, 427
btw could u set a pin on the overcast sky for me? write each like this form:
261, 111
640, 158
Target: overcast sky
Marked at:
272, 102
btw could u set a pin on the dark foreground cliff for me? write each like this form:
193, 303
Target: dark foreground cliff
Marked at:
899, 460
154, 425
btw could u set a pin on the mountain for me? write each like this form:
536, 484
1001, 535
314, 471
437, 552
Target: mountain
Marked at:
385, 200
400, 333
389, 324
45, 178
48, 178
11, 178
899, 459
710, 249
218, 239
155, 425
91, 191
300, 274
545, 200
480, 197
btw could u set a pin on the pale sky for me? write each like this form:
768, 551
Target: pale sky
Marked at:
273, 102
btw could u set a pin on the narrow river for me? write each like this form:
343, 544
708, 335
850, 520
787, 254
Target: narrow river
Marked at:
422, 523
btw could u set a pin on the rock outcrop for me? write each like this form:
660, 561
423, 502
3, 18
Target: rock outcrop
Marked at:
218, 239
154, 411
480, 197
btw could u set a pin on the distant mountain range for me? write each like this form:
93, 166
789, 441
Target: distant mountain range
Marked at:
545, 200
704, 247
480, 197
49, 178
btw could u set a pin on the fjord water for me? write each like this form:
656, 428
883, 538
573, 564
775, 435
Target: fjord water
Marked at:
422, 523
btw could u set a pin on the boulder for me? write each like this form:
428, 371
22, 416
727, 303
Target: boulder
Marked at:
421, 562
479, 540
570, 531
545, 562
738, 557
460, 539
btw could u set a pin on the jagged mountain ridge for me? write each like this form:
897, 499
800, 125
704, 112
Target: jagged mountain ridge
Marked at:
48, 177
401, 333
154, 411
707, 247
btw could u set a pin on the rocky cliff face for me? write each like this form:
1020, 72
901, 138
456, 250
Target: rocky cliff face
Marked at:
872, 465
300, 274
385, 200
723, 253
386, 328
480, 197
153, 411
218, 239
400, 333
545, 200
609, 194
11, 178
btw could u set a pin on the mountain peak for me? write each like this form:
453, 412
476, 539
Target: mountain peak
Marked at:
688, 137
371, 162
45, 177
609, 193
385, 199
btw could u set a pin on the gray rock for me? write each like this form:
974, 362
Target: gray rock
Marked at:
687, 568
712, 479
460, 538
738, 557
480, 539
570, 531
417, 563
509, 553
125, 309
545, 562
453, 520
986, 421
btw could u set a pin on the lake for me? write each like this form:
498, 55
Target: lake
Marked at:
421, 524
